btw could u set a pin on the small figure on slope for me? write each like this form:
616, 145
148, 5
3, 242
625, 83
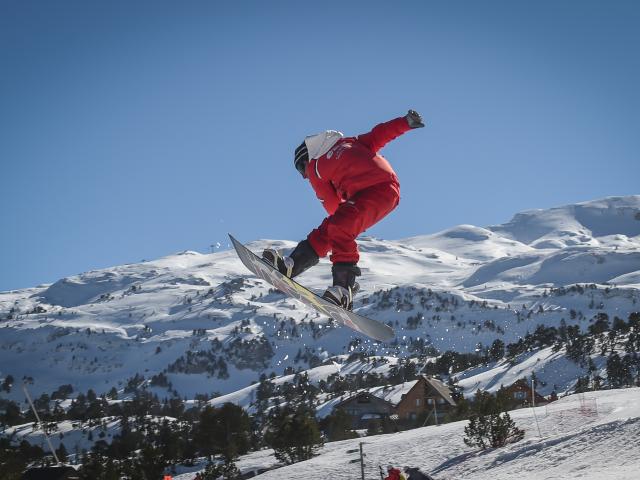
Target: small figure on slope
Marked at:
357, 188
394, 473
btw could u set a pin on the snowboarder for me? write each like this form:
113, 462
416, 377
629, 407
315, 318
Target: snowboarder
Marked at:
357, 188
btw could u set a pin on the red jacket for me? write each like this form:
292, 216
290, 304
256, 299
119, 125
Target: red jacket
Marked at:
394, 474
353, 164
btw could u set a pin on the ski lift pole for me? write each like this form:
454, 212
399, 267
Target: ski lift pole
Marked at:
26, 392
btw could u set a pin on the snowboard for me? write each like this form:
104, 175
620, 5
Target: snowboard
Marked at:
264, 270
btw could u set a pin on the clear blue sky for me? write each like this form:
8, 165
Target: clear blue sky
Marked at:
130, 130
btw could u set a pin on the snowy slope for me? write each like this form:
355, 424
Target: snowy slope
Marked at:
471, 242
586, 436
591, 436
454, 289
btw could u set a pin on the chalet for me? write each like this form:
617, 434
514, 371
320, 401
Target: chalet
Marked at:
428, 395
405, 402
365, 407
520, 392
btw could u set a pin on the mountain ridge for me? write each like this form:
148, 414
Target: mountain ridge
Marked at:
99, 328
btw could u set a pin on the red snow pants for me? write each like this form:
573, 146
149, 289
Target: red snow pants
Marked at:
338, 232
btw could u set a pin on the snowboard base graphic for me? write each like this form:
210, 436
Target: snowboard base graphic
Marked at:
371, 328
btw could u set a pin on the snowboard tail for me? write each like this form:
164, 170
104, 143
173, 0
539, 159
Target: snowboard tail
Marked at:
371, 328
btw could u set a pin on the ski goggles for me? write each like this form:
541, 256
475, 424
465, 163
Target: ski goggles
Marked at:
301, 159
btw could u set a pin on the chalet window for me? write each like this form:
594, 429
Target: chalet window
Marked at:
519, 395
413, 415
429, 401
417, 402
441, 401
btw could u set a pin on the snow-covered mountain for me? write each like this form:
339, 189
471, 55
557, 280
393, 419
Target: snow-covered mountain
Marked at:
212, 327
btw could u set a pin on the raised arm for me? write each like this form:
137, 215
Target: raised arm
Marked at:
383, 133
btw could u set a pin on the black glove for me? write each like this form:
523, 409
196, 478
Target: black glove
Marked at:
414, 119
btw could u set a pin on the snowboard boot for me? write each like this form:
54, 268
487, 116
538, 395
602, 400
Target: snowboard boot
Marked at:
344, 285
302, 258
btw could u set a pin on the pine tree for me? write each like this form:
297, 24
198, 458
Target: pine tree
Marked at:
337, 426
150, 463
224, 431
12, 414
214, 471
7, 384
12, 460
477, 432
504, 430
496, 351
62, 453
491, 431
619, 371
293, 434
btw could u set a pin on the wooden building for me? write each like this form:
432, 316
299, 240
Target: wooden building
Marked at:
365, 408
520, 393
405, 402
428, 395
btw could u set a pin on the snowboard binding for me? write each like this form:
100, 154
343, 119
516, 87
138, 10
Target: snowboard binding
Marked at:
344, 285
341, 296
302, 258
283, 264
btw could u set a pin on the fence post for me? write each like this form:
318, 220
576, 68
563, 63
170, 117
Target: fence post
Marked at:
533, 405
361, 461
